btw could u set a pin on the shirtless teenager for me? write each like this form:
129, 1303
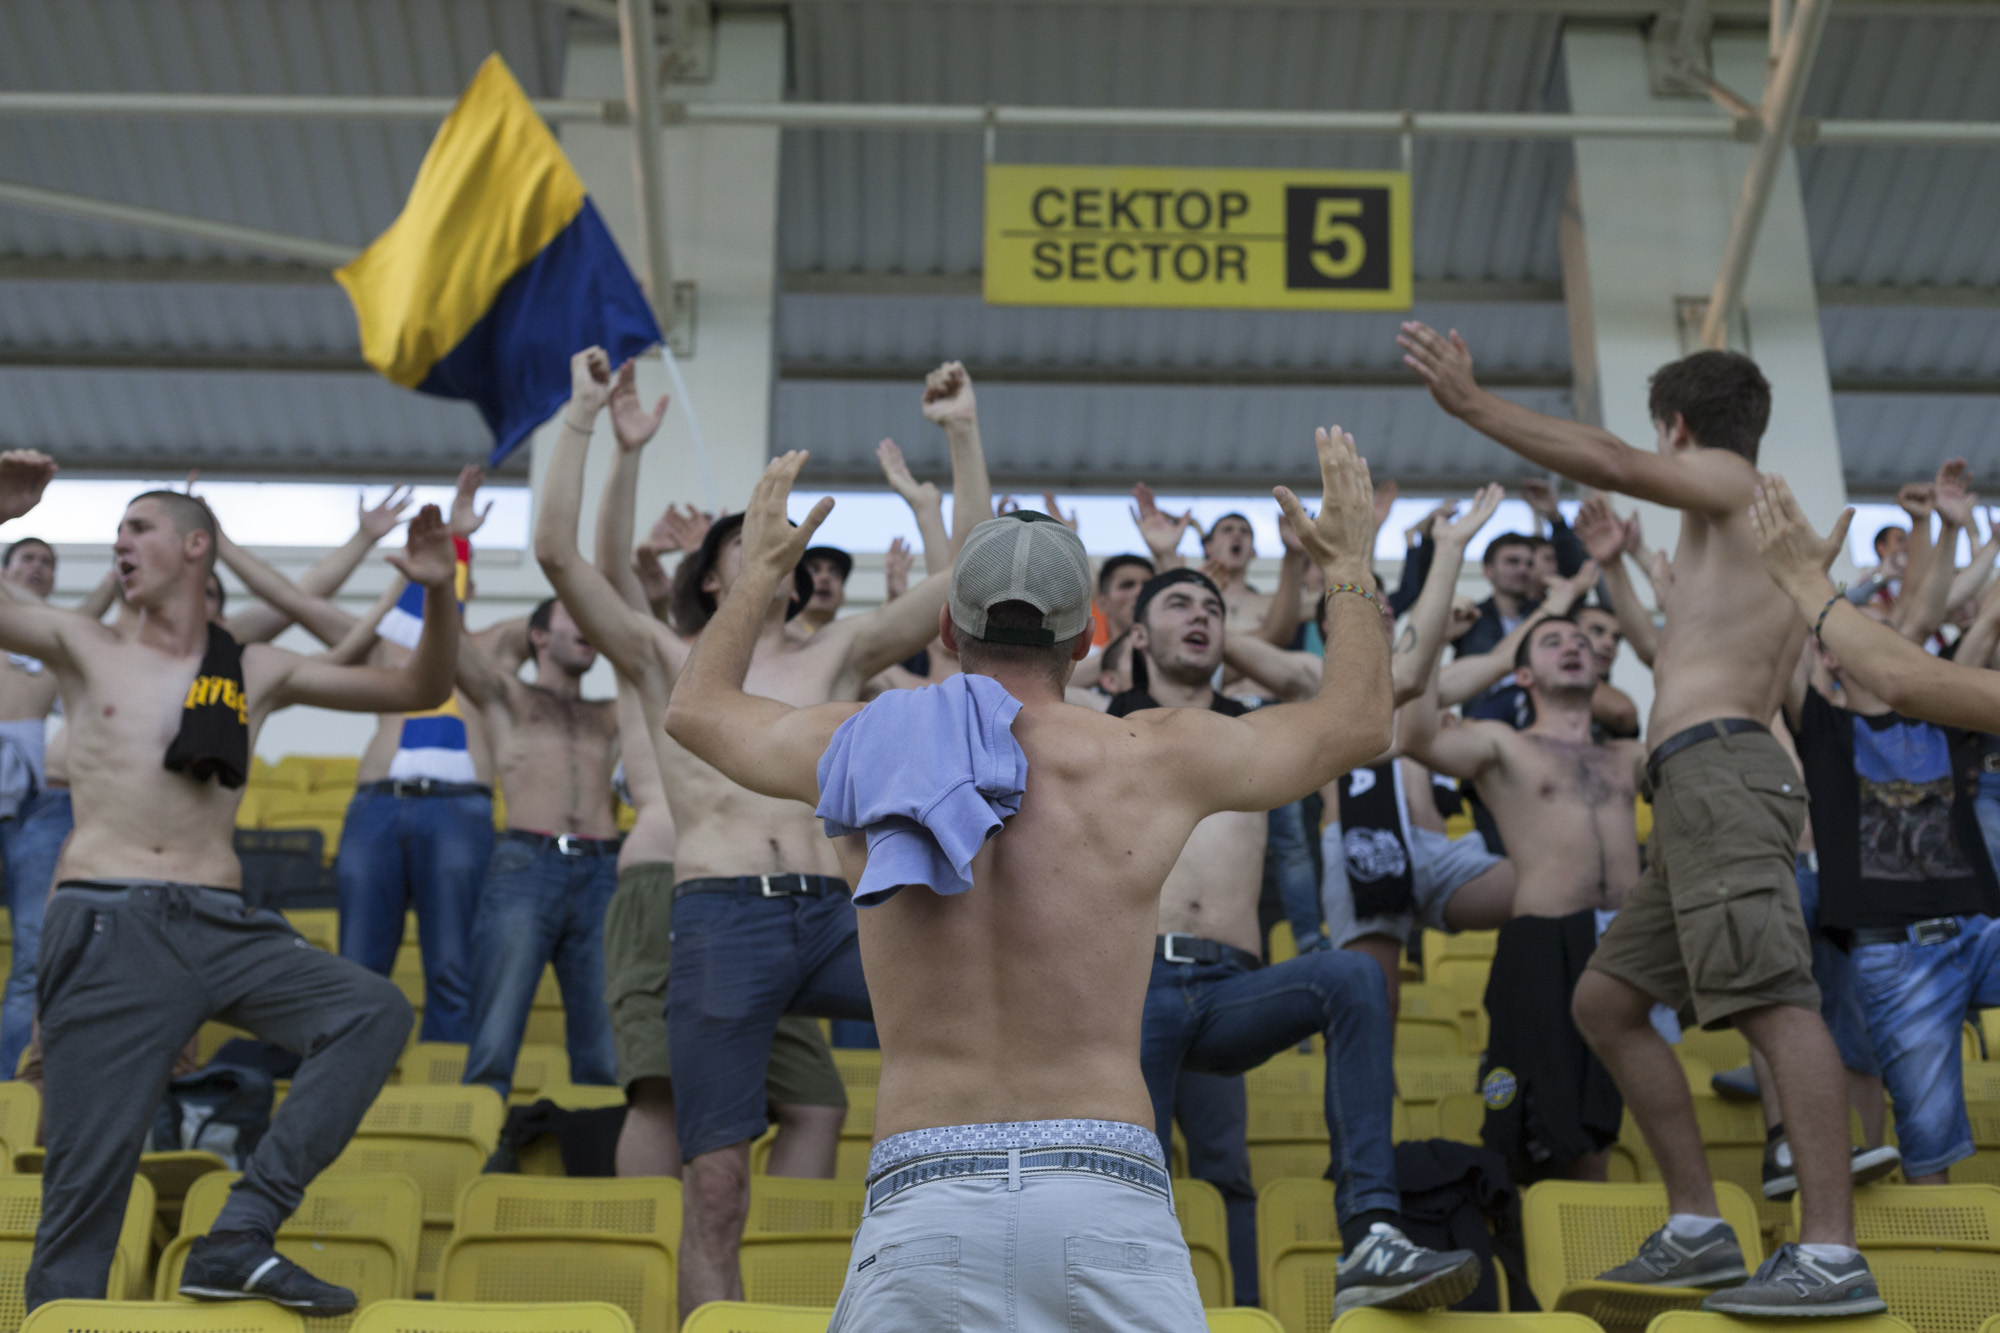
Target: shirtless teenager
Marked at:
1017, 1177
1213, 1007
1715, 919
147, 936
1564, 802
762, 922
803, 1088
555, 865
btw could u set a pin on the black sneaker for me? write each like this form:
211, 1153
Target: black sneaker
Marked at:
1389, 1269
1666, 1260
1793, 1284
246, 1268
1781, 1176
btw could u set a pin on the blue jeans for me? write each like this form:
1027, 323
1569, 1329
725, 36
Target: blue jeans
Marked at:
426, 852
1914, 997
741, 962
1221, 1018
540, 906
1839, 1006
1289, 868
1986, 803
1213, 1115
29, 844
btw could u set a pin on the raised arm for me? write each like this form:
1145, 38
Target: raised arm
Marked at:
760, 743
30, 627
1162, 533
321, 618
1465, 678
1607, 540
1921, 608
261, 624
1276, 755
1908, 679
1708, 481
1292, 676
949, 403
354, 647
924, 501
421, 680
1982, 636
600, 610
1463, 751
1423, 639
672, 531
1282, 613
1969, 582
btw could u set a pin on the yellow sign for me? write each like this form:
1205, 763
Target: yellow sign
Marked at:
1169, 236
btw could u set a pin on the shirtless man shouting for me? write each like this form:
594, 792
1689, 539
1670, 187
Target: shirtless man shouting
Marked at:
1564, 805
147, 936
1017, 1178
1715, 920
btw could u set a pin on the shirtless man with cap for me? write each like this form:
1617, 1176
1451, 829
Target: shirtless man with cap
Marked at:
1564, 803
762, 922
1715, 919
147, 936
1017, 1178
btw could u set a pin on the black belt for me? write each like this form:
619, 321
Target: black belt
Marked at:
1936, 930
1177, 948
764, 886
566, 843
1695, 735
400, 787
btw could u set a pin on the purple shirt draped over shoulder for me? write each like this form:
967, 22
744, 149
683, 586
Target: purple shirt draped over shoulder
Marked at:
928, 776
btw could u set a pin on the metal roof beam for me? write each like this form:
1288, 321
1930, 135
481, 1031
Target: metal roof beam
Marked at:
63, 268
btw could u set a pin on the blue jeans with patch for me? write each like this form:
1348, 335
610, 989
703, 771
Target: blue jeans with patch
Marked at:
30, 841
1223, 1018
1289, 868
422, 852
1839, 1006
1915, 997
539, 906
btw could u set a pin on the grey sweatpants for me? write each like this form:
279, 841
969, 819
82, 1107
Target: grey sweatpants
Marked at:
128, 971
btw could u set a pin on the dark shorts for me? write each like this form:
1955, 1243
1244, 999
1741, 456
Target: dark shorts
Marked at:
741, 963
1714, 922
638, 951
1548, 1100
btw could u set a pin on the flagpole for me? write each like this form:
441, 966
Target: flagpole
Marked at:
639, 45
694, 428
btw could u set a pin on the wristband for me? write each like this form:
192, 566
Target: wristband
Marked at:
1839, 592
1357, 590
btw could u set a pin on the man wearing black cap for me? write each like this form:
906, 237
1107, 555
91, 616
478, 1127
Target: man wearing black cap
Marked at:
1018, 1180
826, 568
761, 919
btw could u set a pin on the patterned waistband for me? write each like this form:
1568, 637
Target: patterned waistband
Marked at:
1110, 1149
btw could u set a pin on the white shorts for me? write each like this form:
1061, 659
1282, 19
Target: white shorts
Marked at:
1440, 867
1038, 1225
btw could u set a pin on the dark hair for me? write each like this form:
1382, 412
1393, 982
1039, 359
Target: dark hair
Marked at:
1880, 533
190, 513
1536, 545
1502, 542
1159, 583
1116, 563
980, 656
690, 606
1209, 536
8, 559
1722, 396
538, 619
221, 592
1521, 653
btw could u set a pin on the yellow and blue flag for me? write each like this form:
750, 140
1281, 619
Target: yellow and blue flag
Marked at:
497, 271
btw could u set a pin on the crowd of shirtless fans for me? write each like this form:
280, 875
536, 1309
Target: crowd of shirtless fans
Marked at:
1488, 772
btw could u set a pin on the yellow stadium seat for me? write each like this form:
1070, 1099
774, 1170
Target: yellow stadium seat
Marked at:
293, 772
637, 1208
788, 1206
1280, 945
583, 1096
1290, 1074
1937, 1291
1464, 977
858, 1068
1205, 1226
319, 925
1924, 1217
1428, 999
21, 1211
20, 1114
1989, 1032
359, 1232
743, 1317
338, 772
794, 1270
1462, 1118
1427, 1079
1575, 1230
538, 1065
1242, 1319
1724, 1048
249, 810
281, 809
444, 1317
1428, 1037
1982, 1081
542, 1238
1292, 1214
440, 1138
1419, 1120
152, 1317
1397, 1321
1440, 945
432, 1064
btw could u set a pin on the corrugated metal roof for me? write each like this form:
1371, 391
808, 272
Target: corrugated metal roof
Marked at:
1887, 439
209, 317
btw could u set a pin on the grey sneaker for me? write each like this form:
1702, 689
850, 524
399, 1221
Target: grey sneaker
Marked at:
1781, 1176
1793, 1284
1712, 1259
1735, 1085
1391, 1270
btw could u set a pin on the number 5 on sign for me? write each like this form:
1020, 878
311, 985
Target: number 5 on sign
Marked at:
1330, 235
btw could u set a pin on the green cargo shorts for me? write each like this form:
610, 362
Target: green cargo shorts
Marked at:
638, 948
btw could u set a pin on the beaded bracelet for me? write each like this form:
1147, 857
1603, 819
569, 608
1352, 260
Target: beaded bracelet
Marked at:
1820, 623
1357, 590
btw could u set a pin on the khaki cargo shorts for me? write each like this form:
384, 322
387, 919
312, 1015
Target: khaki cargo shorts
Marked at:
1715, 922
638, 948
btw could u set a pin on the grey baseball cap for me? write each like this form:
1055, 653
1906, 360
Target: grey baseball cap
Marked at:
1022, 557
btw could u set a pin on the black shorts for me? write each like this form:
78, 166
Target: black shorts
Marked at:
1548, 1099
